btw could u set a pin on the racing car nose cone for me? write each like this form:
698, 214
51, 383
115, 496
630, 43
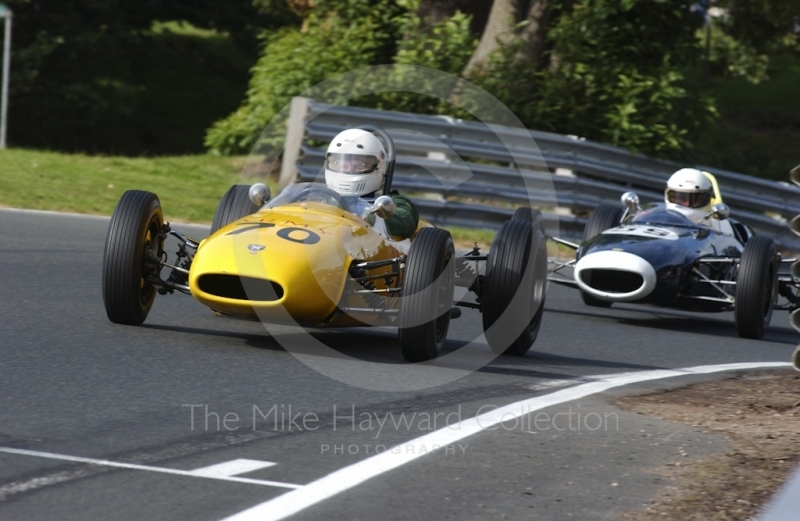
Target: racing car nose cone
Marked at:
615, 276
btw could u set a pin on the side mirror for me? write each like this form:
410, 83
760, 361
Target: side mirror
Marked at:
259, 194
383, 207
720, 211
630, 201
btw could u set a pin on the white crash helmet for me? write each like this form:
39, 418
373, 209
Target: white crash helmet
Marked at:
355, 163
689, 188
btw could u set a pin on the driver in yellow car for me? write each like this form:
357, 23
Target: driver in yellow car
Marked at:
355, 165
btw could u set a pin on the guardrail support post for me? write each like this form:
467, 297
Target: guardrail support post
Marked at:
6, 13
295, 132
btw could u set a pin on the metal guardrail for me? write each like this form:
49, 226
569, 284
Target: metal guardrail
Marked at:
460, 159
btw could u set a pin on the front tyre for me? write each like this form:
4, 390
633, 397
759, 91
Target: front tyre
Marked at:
132, 242
756, 287
234, 205
514, 288
427, 295
594, 302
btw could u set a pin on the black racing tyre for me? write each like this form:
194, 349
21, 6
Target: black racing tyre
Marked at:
530, 215
604, 217
514, 292
756, 287
234, 205
134, 236
427, 295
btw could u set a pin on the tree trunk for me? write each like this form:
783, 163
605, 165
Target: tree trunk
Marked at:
434, 11
300, 7
499, 31
533, 34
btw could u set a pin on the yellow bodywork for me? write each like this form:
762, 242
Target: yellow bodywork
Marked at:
305, 249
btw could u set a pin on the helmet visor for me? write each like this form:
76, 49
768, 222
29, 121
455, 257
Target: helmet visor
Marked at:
350, 163
689, 199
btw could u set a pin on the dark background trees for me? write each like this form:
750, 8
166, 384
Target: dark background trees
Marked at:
165, 77
607, 70
111, 76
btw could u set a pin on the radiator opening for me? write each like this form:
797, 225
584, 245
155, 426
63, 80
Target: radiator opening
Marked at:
240, 288
612, 281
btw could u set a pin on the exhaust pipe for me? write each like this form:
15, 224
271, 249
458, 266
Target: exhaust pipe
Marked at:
796, 359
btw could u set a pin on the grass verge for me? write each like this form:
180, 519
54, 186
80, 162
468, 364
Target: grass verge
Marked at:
189, 187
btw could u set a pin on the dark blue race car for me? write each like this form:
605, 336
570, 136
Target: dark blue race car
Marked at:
650, 254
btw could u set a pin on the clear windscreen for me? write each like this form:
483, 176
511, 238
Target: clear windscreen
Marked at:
658, 214
319, 193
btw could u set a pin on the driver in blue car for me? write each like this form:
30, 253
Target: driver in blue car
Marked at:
692, 193
355, 165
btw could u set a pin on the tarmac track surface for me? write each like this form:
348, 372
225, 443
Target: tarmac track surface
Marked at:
96, 419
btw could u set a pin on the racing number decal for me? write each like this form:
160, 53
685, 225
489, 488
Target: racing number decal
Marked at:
657, 232
310, 238
284, 233
643, 231
251, 227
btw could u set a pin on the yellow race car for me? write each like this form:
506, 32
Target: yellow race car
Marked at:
310, 257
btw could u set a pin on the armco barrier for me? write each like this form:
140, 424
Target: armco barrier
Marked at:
434, 149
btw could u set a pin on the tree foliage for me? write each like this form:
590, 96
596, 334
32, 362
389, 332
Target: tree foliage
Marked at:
605, 81
338, 36
744, 33
760, 23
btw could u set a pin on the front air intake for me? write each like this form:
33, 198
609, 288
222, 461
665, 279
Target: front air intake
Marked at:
612, 281
240, 288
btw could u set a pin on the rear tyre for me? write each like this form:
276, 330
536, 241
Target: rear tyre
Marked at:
516, 275
234, 205
530, 215
604, 217
133, 240
756, 287
427, 295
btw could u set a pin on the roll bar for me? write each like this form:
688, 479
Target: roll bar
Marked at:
390, 155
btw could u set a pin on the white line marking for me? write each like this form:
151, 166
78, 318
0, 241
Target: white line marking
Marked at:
132, 466
348, 477
52, 213
231, 468
550, 384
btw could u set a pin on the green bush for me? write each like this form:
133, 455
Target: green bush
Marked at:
340, 36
